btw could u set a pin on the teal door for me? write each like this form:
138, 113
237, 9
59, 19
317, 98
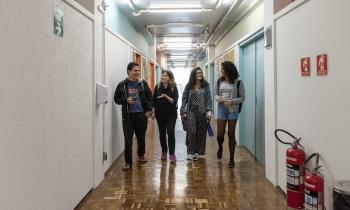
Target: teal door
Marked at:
252, 115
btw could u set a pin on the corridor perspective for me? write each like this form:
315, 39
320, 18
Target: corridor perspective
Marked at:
174, 104
203, 184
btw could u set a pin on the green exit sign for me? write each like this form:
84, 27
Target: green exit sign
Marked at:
58, 19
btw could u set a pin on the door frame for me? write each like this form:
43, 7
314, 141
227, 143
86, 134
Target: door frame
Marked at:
250, 39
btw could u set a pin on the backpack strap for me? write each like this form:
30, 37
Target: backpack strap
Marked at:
240, 105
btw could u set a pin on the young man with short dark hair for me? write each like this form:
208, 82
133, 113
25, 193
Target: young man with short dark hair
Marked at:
136, 99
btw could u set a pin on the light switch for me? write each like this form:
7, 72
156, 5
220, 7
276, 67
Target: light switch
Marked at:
101, 93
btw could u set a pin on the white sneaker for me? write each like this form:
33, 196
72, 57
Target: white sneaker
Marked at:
189, 157
196, 156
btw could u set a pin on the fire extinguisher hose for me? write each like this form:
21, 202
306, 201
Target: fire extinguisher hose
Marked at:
296, 140
314, 155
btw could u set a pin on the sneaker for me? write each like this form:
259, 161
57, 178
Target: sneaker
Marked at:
189, 157
196, 156
231, 164
219, 153
142, 159
172, 159
126, 167
163, 157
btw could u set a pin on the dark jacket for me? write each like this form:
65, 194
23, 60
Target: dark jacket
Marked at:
163, 108
205, 101
121, 95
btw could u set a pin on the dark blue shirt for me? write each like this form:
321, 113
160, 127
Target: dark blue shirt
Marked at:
133, 92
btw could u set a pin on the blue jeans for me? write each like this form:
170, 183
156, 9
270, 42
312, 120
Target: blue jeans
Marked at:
225, 114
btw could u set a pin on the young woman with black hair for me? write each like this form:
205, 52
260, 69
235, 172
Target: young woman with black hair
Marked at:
230, 94
196, 111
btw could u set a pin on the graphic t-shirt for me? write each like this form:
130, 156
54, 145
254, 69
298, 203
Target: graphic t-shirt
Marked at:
133, 92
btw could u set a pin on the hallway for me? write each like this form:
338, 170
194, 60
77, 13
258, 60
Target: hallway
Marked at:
203, 184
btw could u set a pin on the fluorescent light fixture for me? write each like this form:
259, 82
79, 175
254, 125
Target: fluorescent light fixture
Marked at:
178, 48
175, 25
178, 57
176, 45
219, 4
176, 10
131, 4
174, 5
177, 39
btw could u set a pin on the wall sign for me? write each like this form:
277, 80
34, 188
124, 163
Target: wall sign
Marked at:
322, 65
57, 19
305, 67
268, 37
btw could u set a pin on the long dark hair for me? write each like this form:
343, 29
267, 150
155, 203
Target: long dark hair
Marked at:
230, 71
193, 78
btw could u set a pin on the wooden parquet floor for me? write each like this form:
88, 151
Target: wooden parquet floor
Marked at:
188, 185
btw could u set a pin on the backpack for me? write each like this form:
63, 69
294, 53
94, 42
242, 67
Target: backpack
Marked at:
239, 105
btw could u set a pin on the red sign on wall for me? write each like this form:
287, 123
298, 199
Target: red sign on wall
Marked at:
322, 65
305, 67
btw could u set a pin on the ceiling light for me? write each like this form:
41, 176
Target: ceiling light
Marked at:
176, 10
175, 25
176, 45
177, 39
178, 48
131, 4
178, 57
174, 5
219, 3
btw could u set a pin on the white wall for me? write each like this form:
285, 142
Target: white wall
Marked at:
46, 90
87, 4
119, 24
251, 22
315, 108
98, 108
270, 107
117, 59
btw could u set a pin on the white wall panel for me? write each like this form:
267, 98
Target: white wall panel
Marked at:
46, 95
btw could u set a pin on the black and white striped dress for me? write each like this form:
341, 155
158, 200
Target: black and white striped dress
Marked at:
196, 127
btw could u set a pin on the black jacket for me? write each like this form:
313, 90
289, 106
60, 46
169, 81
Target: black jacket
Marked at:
163, 108
121, 95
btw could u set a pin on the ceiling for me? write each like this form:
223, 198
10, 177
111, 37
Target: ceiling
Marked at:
182, 28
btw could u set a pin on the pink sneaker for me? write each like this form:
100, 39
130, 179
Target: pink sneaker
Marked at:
172, 159
163, 157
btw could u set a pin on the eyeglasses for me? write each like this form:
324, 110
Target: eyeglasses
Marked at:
199, 72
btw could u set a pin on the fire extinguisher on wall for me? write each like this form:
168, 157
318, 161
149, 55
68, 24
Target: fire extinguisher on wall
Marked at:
295, 171
314, 186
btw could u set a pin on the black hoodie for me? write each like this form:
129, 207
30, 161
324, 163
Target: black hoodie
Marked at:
121, 95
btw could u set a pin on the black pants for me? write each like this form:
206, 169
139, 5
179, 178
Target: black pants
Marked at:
167, 126
137, 123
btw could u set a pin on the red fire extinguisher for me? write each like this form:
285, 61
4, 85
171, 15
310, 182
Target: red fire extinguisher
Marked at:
295, 171
314, 186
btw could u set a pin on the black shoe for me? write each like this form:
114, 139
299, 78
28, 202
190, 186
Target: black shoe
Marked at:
142, 159
231, 164
219, 153
126, 167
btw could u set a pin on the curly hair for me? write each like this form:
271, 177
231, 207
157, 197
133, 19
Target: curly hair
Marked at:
230, 71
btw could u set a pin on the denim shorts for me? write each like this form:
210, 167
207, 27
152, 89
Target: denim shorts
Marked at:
225, 114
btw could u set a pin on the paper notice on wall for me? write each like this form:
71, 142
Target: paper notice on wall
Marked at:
57, 18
